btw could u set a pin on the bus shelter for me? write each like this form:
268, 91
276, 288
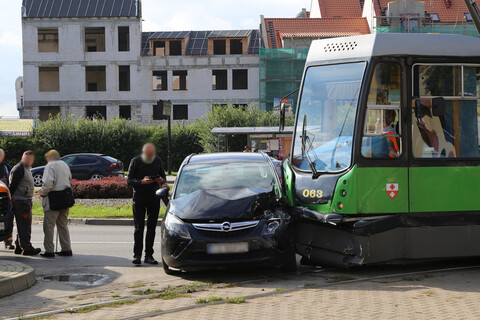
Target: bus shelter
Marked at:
266, 139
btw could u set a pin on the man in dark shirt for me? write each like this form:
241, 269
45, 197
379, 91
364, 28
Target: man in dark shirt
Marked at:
146, 175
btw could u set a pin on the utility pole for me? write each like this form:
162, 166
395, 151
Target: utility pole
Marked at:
166, 107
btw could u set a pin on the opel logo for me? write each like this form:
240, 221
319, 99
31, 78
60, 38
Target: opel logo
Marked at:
226, 226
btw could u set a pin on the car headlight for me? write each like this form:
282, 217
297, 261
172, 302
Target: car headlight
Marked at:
174, 224
270, 227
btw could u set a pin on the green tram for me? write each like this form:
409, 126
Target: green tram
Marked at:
385, 159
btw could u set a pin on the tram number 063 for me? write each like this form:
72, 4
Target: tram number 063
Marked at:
312, 193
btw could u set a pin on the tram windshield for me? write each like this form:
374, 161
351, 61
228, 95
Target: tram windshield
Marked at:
326, 117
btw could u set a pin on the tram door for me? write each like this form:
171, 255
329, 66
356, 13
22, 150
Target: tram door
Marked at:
382, 172
445, 171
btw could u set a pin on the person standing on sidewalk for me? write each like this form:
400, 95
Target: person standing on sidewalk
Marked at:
146, 175
22, 191
56, 177
5, 169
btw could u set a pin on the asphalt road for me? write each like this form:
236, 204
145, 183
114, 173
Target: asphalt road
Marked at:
93, 247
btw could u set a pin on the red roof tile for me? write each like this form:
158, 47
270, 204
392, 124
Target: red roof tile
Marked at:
448, 10
315, 27
340, 8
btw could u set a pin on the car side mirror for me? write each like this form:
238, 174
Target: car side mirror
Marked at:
282, 116
163, 192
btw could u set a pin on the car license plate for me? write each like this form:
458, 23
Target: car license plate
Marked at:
2, 226
222, 248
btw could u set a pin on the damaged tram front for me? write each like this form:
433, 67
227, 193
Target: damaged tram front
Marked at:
385, 160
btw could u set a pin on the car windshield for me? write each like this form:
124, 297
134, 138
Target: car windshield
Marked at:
230, 175
326, 117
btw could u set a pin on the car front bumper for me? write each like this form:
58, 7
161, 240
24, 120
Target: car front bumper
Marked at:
191, 254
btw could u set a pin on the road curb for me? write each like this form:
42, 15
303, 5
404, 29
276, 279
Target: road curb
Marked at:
15, 277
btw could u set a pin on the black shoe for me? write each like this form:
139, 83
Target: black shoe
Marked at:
31, 251
48, 255
137, 260
9, 245
68, 253
150, 260
18, 249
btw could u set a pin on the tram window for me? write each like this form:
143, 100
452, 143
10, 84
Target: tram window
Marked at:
446, 112
382, 130
445, 128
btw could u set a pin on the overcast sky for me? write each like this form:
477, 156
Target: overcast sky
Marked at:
158, 15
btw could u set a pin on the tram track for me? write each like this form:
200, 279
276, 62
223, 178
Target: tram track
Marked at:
247, 297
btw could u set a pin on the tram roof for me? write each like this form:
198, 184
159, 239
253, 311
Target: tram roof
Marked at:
393, 44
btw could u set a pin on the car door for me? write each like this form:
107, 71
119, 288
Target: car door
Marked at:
82, 166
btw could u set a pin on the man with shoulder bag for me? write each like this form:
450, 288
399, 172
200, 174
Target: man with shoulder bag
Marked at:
57, 199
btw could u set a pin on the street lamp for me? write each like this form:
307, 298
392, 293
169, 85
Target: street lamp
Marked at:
166, 106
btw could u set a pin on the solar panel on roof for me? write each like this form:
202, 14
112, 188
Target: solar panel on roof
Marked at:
79, 8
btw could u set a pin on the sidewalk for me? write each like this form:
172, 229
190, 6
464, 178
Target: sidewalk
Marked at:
15, 277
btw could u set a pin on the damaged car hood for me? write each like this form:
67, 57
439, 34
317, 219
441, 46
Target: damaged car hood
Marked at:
224, 204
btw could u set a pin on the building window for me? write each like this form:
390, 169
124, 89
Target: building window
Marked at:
180, 80
95, 78
241, 106
175, 48
180, 112
159, 79
96, 112
219, 80
47, 39
48, 112
240, 79
123, 38
219, 46
157, 111
48, 79
124, 78
95, 39
159, 48
236, 46
125, 112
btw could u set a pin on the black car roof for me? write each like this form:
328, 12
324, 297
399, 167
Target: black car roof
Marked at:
228, 157
84, 154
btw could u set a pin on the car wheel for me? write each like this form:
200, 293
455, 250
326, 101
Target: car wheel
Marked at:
37, 179
96, 176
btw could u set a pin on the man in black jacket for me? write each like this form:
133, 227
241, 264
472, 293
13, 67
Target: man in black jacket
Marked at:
146, 175
5, 169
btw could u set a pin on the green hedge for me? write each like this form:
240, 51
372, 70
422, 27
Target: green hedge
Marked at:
123, 139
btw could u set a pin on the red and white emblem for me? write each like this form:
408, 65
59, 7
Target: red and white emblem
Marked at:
392, 190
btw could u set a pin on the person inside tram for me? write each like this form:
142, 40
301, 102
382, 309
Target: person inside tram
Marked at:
388, 130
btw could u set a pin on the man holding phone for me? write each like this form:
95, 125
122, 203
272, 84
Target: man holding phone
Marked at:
146, 175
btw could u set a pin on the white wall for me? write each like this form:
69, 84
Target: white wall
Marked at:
72, 60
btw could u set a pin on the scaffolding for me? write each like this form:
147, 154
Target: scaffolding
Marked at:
281, 72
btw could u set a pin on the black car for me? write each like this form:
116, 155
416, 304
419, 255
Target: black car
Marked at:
85, 166
227, 210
